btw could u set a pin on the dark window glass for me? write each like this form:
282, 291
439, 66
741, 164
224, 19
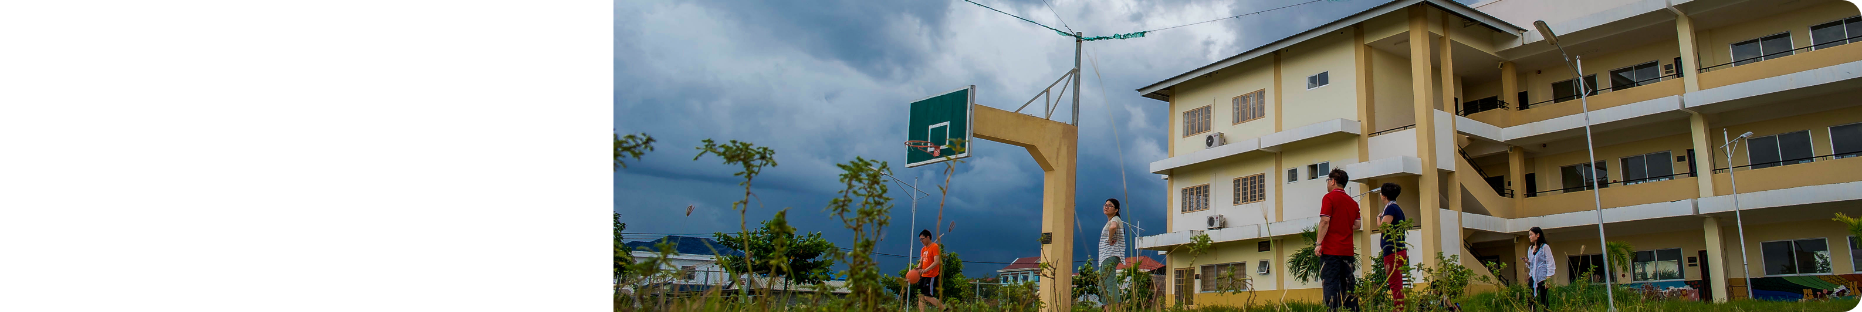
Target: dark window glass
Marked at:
1855, 253
1778, 258
1575, 176
1522, 100
1853, 26
1566, 91
1630, 77
1828, 35
1813, 256
1794, 147
1846, 140
1763, 152
1635, 168
1746, 52
1776, 46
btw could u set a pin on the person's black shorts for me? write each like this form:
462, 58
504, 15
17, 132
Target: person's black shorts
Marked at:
923, 286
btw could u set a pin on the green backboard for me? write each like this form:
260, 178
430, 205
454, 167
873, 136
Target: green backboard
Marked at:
938, 119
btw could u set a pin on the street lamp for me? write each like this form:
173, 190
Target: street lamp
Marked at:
1741, 222
1590, 149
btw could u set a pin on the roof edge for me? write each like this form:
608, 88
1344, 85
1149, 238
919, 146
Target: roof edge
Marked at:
1151, 91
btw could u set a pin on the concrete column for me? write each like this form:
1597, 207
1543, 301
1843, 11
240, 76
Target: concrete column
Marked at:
1279, 202
1509, 91
1277, 92
1450, 90
1690, 64
1703, 151
1429, 184
1716, 253
1361, 57
1516, 177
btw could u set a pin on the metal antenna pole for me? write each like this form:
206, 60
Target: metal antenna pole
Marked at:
1076, 76
1736, 217
1596, 191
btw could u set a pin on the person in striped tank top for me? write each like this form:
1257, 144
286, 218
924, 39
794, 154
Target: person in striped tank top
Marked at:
1111, 252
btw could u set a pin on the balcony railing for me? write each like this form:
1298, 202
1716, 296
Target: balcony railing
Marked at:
1411, 126
1606, 184
1788, 162
1482, 105
1761, 58
1613, 87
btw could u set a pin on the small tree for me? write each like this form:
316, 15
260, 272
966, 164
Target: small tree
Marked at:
1304, 264
864, 208
1854, 224
752, 159
1621, 255
799, 259
1086, 282
1199, 245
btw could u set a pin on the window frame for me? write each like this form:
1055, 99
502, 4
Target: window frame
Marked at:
1197, 119
1258, 109
1591, 81
1318, 170
1834, 154
1680, 265
1760, 40
1312, 82
1855, 254
1764, 267
1637, 81
1198, 192
1571, 268
1185, 285
1217, 278
1645, 165
1780, 150
1841, 23
1603, 179
1257, 191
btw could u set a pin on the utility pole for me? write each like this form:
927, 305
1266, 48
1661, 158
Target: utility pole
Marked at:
1077, 42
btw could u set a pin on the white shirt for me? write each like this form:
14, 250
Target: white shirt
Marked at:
1539, 263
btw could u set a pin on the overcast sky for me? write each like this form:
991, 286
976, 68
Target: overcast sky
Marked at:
822, 82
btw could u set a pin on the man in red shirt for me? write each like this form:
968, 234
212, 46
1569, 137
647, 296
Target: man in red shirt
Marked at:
1338, 218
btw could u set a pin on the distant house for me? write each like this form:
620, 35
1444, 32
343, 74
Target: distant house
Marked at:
1144, 263
695, 257
1021, 270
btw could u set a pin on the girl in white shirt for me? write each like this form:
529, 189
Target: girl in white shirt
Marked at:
1539, 265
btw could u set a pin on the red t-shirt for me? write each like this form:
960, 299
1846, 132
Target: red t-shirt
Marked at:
926, 255
1344, 212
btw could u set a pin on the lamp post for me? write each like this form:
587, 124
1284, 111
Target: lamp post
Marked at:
1590, 149
1737, 219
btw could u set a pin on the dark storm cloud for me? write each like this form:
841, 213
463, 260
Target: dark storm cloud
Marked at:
824, 82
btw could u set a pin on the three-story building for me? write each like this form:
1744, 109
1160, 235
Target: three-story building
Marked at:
1481, 121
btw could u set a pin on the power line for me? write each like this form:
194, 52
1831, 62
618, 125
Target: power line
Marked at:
1130, 35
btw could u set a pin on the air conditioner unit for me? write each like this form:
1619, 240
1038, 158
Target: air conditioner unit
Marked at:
1214, 140
1217, 222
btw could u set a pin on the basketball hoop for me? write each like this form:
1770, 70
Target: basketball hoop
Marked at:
924, 146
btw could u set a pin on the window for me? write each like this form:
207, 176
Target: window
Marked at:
1250, 189
1656, 265
1836, 33
1779, 149
1183, 285
1319, 170
690, 272
1578, 177
1803, 256
1195, 121
1768, 47
1195, 198
1580, 264
1678, 65
1647, 168
1633, 76
1251, 106
1293, 175
1480, 105
1564, 91
1319, 80
1225, 275
1846, 140
1855, 253
1522, 100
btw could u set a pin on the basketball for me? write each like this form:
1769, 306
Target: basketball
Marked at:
911, 277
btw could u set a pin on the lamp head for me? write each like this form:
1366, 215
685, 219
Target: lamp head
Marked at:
1545, 31
1748, 133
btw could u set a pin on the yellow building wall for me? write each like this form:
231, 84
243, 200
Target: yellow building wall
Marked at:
1393, 92
1302, 197
1757, 234
1538, 82
1691, 242
1818, 123
1715, 45
1612, 157
1330, 53
1218, 91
